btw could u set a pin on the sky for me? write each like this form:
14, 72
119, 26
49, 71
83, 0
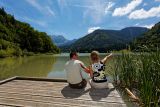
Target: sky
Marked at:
76, 18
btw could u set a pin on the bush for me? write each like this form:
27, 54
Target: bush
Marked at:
3, 54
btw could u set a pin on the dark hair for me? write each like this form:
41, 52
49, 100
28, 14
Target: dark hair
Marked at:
72, 54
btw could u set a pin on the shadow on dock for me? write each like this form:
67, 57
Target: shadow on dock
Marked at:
74, 93
103, 93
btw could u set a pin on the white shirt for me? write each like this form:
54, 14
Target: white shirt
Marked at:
73, 71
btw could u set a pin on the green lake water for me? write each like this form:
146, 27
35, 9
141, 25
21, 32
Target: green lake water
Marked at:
48, 66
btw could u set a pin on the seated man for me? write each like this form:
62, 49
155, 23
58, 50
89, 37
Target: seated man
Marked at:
73, 70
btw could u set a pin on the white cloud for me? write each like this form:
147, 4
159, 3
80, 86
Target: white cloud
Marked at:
64, 8
137, 24
96, 9
50, 11
143, 14
121, 11
82, 6
90, 30
157, 0
35, 4
148, 26
109, 6
43, 9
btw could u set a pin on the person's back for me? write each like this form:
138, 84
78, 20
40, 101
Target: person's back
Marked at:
73, 71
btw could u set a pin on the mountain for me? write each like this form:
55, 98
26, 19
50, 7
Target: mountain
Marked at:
17, 37
149, 41
69, 42
60, 40
106, 40
132, 32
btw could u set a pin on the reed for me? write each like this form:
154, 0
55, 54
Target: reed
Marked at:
140, 72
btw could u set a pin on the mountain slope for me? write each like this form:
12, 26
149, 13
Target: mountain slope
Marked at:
105, 40
17, 37
149, 41
60, 40
132, 32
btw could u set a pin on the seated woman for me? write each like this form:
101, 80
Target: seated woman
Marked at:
97, 70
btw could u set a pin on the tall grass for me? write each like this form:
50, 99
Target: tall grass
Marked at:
140, 72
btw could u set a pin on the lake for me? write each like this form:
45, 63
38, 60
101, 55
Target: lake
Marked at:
48, 66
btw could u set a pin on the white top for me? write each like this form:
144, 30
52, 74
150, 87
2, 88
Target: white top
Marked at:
73, 71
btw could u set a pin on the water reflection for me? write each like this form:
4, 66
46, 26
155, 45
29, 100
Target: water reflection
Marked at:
34, 66
57, 74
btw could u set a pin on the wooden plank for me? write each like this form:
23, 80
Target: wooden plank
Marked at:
52, 104
35, 84
32, 86
66, 101
10, 105
59, 100
7, 80
99, 93
23, 85
52, 87
48, 81
70, 95
41, 79
28, 82
17, 102
63, 99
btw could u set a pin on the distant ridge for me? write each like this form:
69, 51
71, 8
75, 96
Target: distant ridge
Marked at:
106, 40
60, 40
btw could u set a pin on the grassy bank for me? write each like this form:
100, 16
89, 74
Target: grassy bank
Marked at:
141, 74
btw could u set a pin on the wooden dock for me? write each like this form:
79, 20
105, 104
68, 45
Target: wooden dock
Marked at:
41, 92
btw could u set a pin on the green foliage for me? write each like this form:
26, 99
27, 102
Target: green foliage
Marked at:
17, 36
148, 42
9, 49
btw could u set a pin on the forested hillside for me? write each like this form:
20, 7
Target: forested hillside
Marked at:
106, 40
149, 41
17, 38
